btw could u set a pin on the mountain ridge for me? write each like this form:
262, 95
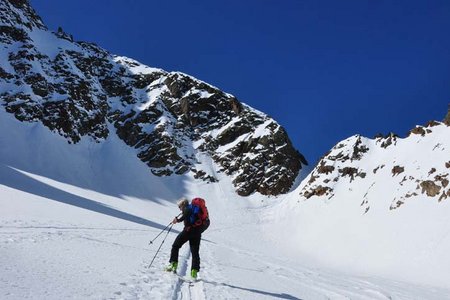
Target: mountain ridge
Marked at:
76, 88
416, 165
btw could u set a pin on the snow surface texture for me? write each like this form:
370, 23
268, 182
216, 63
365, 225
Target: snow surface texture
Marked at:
76, 221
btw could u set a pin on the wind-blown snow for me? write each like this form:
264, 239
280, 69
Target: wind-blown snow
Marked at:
76, 221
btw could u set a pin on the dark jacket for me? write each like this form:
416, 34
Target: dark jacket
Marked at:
186, 213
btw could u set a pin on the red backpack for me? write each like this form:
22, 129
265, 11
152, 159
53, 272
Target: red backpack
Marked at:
200, 212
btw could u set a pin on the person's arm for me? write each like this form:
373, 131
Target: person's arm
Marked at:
183, 216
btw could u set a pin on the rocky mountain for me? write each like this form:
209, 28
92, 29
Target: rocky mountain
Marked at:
81, 91
401, 169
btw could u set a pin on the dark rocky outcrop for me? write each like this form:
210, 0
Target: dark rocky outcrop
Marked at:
397, 170
430, 188
447, 117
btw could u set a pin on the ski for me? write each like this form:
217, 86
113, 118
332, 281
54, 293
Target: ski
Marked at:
191, 281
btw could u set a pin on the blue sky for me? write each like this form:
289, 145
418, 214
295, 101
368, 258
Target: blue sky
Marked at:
325, 70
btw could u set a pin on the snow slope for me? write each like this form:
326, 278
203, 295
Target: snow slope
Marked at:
76, 221
381, 219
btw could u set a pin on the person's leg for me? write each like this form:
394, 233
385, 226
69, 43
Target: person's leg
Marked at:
194, 243
182, 238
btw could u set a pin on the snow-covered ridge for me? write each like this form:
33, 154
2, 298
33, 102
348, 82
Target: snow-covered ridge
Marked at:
18, 14
413, 167
375, 206
76, 88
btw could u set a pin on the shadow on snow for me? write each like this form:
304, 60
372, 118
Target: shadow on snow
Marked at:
16, 180
274, 295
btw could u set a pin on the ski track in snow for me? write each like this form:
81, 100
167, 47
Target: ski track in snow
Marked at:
228, 272
213, 284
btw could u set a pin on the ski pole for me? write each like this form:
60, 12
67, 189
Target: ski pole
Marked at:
151, 242
157, 251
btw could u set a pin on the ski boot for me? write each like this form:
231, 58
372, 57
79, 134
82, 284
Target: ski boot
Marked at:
194, 273
172, 267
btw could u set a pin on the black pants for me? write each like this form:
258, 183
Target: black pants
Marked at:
194, 236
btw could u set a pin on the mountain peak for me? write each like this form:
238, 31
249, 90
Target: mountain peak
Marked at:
172, 119
358, 167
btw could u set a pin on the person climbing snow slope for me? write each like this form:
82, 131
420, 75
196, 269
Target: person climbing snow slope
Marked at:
196, 220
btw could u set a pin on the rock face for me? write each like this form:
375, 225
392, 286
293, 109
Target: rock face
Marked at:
401, 169
77, 89
447, 117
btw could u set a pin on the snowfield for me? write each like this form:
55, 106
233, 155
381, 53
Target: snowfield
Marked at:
76, 221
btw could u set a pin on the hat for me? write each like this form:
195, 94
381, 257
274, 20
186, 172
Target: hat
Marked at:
183, 202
